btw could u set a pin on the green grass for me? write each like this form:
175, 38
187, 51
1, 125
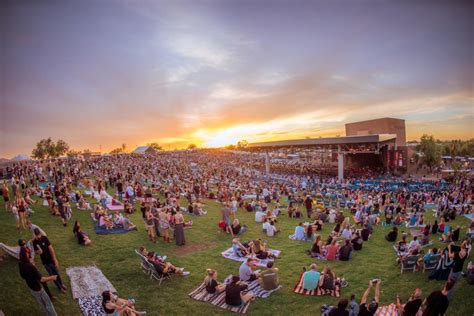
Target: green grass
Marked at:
114, 255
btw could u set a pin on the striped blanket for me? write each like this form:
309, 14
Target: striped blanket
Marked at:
229, 254
390, 310
318, 291
200, 294
255, 287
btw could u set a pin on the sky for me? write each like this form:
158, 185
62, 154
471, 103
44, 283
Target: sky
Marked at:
102, 73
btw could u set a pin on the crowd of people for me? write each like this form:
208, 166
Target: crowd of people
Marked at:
170, 186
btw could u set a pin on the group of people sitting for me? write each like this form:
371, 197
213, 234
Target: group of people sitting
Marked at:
108, 222
254, 248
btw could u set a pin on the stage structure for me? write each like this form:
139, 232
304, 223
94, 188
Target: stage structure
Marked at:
376, 148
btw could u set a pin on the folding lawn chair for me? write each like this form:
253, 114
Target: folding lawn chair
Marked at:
432, 263
409, 264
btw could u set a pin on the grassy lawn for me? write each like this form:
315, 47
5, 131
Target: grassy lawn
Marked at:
114, 255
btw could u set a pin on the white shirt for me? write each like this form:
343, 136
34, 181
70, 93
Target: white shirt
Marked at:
346, 233
270, 229
259, 216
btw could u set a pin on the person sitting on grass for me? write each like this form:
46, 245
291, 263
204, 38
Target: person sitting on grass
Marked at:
411, 307
309, 235
268, 279
82, 237
212, 285
246, 271
345, 252
369, 308
332, 250
234, 295
317, 249
327, 281
236, 229
311, 277
357, 241
336, 231
115, 306
299, 232
269, 228
259, 249
365, 233
164, 268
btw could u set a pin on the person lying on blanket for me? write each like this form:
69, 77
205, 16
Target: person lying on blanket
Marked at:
115, 306
311, 277
369, 308
240, 249
163, 267
212, 285
234, 295
268, 279
247, 270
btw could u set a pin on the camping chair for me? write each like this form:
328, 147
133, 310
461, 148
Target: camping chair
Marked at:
144, 264
158, 276
432, 263
409, 264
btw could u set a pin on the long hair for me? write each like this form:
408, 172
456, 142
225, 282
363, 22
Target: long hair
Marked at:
209, 276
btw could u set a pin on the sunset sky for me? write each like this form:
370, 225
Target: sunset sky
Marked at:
103, 73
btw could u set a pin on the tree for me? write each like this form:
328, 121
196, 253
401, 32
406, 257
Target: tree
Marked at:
192, 146
242, 144
87, 152
73, 153
155, 146
429, 150
47, 149
60, 148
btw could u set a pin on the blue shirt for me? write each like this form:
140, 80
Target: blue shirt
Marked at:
299, 233
310, 280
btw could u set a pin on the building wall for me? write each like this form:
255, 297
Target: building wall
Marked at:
379, 126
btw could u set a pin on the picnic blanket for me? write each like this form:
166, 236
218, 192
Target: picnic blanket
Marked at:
217, 299
15, 251
318, 291
91, 306
229, 254
102, 231
416, 233
115, 207
469, 216
87, 281
87, 285
390, 310
255, 287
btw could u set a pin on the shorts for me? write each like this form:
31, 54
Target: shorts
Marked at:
6, 199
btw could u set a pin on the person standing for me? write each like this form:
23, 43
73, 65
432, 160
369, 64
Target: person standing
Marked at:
6, 196
179, 228
33, 279
44, 248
